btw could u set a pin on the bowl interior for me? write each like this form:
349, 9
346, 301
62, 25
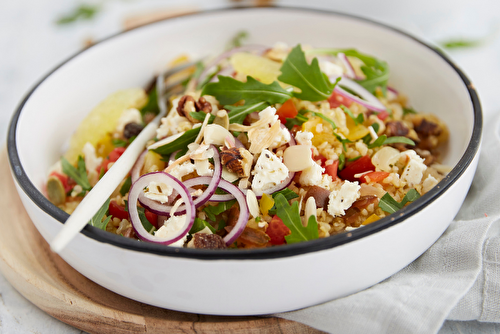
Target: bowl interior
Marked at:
54, 109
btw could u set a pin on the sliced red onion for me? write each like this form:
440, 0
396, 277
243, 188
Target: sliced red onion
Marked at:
226, 71
227, 54
138, 188
244, 212
368, 100
350, 73
164, 209
392, 90
135, 173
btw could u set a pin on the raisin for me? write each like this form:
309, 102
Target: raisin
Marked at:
132, 130
209, 241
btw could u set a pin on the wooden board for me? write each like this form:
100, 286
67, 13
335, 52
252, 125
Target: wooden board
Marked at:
55, 287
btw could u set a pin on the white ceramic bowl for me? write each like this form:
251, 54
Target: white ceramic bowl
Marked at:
244, 282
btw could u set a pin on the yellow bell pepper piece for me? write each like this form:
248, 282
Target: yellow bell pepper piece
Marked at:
355, 131
153, 163
371, 219
266, 203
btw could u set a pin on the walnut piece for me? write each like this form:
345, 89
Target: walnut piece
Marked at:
237, 160
187, 104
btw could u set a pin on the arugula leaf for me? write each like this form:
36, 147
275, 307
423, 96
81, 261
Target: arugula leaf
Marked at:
238, 114
309, 79
390, 205
357, 120
384, 140
152, 104
200, 116
79, 174
229, 91
200, 224
97, 221
376, 71
126, 186
179, 144
215, 210
82, 12
289, 194
290, 216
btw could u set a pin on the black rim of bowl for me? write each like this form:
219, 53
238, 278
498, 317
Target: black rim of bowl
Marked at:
266, 253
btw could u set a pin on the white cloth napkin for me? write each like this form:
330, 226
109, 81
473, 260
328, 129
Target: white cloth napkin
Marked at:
458, 278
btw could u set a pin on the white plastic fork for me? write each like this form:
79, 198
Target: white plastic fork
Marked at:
108, 183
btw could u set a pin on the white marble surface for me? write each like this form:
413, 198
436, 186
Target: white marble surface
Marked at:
31, 44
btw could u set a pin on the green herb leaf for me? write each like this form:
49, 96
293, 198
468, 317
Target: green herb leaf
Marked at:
179, 144
237, 40
288, 193
79, 175
390, 205
461, 43
341, 161
97, 221
214, 210
407, 111
200, 224
119, 142
290, 216
357, 120
384, 140
229, 91
309, 79
82, 12
145, 222
326, 118
126, 186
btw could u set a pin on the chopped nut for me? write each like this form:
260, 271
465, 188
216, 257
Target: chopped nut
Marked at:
237, 160
396, 128
203, 105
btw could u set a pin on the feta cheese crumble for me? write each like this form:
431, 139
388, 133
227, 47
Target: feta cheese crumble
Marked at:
269, 171
414, 169
341, 200
172, 227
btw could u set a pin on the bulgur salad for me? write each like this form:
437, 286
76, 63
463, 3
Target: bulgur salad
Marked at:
265, 146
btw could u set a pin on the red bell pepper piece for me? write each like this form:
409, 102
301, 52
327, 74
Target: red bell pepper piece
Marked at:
362, 165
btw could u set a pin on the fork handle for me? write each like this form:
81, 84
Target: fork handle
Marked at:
102, 190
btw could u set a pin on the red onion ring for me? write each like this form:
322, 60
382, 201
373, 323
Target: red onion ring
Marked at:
368, 100
244, 212
138, 187
164, 209
135, 173
226, 55
393, 90
351, 74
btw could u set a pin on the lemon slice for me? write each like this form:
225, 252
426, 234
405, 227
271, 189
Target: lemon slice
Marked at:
260, 68
103, 119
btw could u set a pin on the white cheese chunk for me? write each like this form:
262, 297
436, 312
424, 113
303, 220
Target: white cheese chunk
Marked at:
91, 159
331, 69
429, 183
414, 169
304, 138
158, 192
172, 227
312, 176
173, 123
341, 200
268, 172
